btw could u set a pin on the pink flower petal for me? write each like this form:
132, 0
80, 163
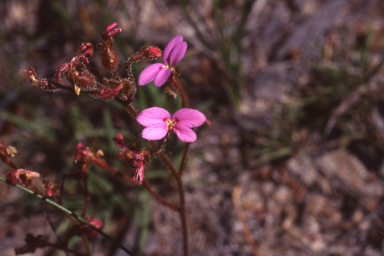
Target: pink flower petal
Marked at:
178, 53
162, 76
185, 134
167, 50
155, 131
188, 117
149, 73
151, 116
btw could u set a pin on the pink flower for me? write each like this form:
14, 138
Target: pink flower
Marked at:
173, 53
158, 123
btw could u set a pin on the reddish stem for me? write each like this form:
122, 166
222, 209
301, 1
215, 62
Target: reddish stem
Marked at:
86, 198
176, 84
184, 159
169, 205
145, 185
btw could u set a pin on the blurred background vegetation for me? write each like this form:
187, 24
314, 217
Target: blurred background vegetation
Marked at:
293, 90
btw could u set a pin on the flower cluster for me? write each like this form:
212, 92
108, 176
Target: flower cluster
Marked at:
158, 121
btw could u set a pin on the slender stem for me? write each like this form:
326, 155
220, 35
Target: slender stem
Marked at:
87, 247
183, 216
182, 212
184, 159
86, 198
167, 162
145, 185
118, 173
176, 84
166, 203
74, 215
60, 243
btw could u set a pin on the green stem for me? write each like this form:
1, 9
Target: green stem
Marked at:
74, 215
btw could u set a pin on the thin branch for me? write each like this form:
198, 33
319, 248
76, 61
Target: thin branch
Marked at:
53, 229
166, 203
183, 215
74, 215
184, 159
145, 185
176, 84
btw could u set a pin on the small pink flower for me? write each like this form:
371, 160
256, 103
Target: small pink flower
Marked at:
173, 54
158, 123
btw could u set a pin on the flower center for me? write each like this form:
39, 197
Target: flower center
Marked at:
170, 124
170, 67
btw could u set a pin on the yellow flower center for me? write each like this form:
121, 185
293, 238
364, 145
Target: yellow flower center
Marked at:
170, 124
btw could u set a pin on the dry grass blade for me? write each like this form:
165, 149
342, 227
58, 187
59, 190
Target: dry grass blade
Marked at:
365, 89
240, 214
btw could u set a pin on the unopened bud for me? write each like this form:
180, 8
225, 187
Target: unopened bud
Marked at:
86, 49
153, 52
110, 92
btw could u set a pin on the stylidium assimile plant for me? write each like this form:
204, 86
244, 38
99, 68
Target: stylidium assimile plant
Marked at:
155, 121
